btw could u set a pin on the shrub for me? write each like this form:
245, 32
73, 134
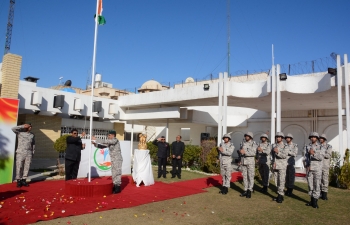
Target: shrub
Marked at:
334, 169
344, 177
209, 157
60, 144
191, 154
153, 149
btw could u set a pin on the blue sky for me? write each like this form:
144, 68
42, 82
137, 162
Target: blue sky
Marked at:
170, 40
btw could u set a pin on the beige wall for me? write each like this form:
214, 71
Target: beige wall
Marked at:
47, 129
119, 129
11, 70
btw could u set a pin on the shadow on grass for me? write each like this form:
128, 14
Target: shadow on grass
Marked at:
235, 187
300, 189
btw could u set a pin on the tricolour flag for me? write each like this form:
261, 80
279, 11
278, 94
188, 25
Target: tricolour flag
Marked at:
100, 19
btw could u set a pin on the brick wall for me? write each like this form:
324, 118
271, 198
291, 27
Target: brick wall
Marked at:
11, 70
46, 129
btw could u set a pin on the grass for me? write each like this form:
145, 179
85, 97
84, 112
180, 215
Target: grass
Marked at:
214, 208
185, 175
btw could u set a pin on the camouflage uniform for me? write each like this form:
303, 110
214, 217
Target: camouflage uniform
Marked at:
290, 173
225, 163
116, 159
279, 162
248, 164
314, 164
24, 152
264, 161
325, 169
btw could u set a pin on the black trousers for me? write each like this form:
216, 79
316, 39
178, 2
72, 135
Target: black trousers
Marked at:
162, 166
71, 169
177, 164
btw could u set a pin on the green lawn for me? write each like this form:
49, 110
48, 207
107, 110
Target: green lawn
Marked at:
185, 175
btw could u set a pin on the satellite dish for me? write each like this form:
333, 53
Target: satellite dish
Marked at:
68, 83
189, 80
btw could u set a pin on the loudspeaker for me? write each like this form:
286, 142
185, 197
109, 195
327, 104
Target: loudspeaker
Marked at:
58, 101
97, 106
205, 136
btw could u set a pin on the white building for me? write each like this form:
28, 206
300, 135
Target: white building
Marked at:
308, 102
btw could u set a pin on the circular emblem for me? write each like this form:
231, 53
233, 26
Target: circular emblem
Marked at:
102, 159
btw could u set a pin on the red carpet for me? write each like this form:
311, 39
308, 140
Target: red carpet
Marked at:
47, 200
300, 174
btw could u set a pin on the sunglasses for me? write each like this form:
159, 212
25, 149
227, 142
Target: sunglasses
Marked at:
75, 133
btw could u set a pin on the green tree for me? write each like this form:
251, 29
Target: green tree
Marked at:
209, 157
60, 144
344, 177
191, 154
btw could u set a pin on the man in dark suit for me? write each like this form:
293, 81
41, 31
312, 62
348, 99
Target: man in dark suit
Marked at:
73, 154
177, 151
163, 154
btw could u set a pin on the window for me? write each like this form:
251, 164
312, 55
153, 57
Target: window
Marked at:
185, 134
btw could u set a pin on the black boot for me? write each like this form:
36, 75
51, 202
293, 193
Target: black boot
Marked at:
311, 203
279, 198
322, 195
222, 190
24, 183
315, 205
19, 183
325, 196
263, 190
249, 194
244, 194
116, 189
291, 191
287, 192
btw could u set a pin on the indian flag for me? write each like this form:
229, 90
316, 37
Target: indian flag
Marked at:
100, 19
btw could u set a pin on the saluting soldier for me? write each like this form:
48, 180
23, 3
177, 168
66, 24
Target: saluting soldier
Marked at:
115, 153
314, 156
326, 163
290, 174
248, 152
279, 165
225, 156
263, 158
24, 153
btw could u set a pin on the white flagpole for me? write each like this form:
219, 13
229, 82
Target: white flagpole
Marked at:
92, 86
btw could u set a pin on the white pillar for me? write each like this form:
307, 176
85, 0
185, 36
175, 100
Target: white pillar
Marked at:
220, 109
132, 139
224, 127
278, 102
273, 104
167, 130
340, 109
347, 103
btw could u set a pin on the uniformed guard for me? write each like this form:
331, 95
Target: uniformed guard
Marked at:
279, 153
225, 156
290, 173
263, 158
314, 162
115, 153
24, 153
248, 151
326, 163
